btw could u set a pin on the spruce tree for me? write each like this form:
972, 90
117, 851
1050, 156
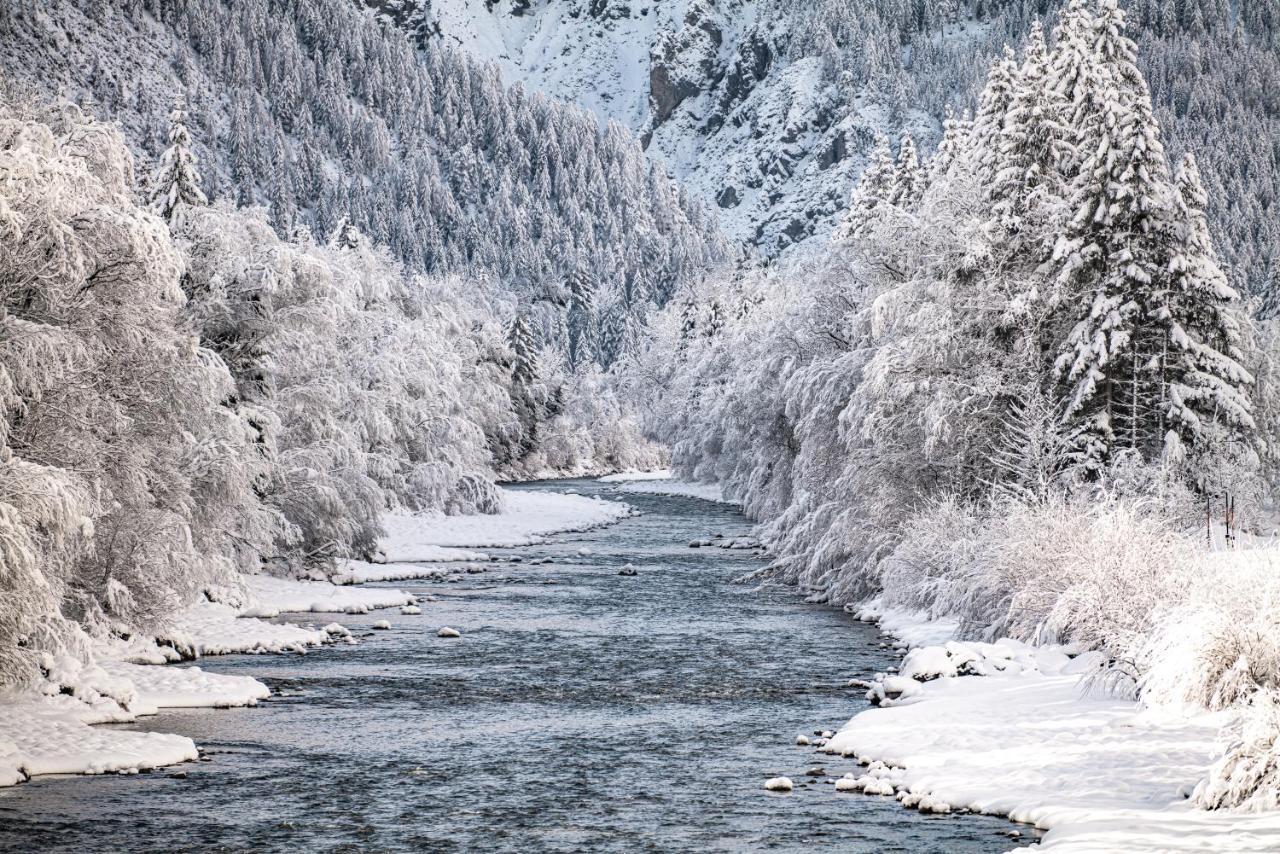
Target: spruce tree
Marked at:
873, 188
909, 179
1202, 381
1031, 142
524, 365
1112, 257
177, 180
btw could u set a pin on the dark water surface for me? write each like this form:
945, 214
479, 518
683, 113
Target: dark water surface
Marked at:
595, 713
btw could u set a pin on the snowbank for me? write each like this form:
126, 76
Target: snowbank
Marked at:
359, 572
527, 518
271, 596
1025, 739
51, 732
185, 687
630, 476
51, 735
678, 488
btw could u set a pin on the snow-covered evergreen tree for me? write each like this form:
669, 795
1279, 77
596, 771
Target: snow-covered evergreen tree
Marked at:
177, 180
874, 188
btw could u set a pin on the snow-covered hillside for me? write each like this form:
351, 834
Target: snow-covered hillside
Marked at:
768, 109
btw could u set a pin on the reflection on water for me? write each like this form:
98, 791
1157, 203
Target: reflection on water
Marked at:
595, 713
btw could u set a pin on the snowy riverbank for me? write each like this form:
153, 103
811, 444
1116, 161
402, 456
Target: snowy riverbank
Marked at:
50, 730
1027, 739
662, 483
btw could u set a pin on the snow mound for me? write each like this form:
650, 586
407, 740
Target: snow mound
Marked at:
359, 572
528, 518
628, 477
173, 687
778, 784
52, 736
447, 632
676, 488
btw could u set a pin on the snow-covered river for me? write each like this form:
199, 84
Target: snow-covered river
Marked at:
580, 711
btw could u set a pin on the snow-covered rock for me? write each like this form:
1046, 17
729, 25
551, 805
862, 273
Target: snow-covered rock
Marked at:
448, 632
779, 784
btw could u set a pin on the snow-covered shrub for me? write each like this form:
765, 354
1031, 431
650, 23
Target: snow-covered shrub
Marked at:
1217, 646
1247, 775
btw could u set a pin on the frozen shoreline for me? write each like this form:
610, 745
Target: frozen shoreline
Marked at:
1027, 741
50, 730
661, 483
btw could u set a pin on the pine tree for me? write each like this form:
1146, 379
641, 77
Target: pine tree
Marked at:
1112, 256
524, 365
909, 179
993, 106
1031, 142
873, 188
1202, 381
957, 132
581, 319
177, 181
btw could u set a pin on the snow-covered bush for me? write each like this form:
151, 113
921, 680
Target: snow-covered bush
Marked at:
1217, 646
1247, 775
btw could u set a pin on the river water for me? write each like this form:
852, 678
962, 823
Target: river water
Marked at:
580, 711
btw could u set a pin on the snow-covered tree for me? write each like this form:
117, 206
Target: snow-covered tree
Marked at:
177, 180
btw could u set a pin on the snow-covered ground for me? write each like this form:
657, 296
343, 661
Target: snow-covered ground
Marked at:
667, 486
1028, 740
527, 518
629, 476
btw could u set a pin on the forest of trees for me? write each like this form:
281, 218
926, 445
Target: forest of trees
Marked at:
1213, 68
1009, 390
189, 395
320, 112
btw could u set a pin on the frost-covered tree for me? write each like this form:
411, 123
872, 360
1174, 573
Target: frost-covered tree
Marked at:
874, 188
177, 180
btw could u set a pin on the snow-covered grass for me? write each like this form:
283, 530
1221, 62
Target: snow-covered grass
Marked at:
527, 518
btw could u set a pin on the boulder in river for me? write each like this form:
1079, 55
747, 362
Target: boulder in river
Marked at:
447, 632
381, 625
778, 784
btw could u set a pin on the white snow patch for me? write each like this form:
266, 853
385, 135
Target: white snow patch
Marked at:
1026, 740
528, 518
778, 784
677, 488
631, 476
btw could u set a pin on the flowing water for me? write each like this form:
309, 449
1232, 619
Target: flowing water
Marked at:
580, 711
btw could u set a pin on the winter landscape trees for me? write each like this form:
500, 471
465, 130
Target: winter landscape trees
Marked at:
1028, 338
356, 273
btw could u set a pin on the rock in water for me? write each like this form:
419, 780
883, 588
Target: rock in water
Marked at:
382, 625
410, 610
446, 632
778, 784
802, 740
628, 570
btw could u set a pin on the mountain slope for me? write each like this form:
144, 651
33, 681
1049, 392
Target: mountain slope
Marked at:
322, 113
768, 108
